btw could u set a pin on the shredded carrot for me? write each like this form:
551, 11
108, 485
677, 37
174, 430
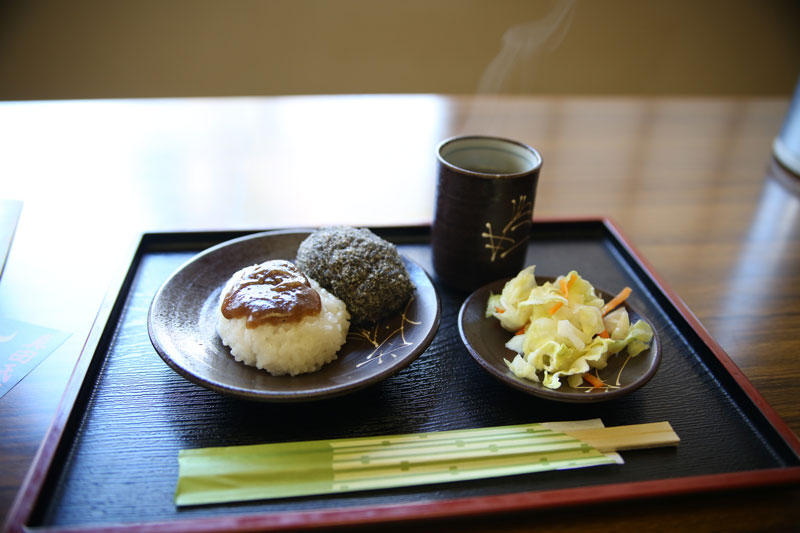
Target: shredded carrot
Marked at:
522, 330
616, 300
499, 309
604, 334
593, 381
565, 285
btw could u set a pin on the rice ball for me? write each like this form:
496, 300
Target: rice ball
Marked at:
270, 334
359, 267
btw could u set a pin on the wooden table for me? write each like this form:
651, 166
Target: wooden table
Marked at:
690, 181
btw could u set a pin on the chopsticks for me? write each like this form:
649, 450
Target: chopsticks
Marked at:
290, 469
631, 437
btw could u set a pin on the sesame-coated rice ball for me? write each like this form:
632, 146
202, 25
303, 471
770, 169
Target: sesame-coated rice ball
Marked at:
358, 267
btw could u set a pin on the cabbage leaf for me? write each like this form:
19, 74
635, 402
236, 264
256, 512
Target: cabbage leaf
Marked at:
562, 332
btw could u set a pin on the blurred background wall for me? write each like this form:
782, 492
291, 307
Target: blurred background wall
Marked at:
146, 48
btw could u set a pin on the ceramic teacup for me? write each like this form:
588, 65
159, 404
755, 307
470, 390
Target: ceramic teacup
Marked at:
485, 194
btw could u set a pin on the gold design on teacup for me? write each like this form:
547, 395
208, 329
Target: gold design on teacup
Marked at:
385, 337
501, 244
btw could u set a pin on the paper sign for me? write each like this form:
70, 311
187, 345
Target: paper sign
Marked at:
22, 347
9, 214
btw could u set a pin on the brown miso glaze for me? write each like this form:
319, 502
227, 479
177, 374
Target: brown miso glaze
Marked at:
272, 293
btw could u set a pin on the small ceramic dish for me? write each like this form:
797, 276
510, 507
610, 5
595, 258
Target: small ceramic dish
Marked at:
485, 340
182, 327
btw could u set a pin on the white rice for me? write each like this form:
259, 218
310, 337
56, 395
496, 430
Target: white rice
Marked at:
289, 348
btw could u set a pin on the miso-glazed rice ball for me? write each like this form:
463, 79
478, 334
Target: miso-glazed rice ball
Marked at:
275, 318
360, 268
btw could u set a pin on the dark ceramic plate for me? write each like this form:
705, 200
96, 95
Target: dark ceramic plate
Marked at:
182, 328
485, 340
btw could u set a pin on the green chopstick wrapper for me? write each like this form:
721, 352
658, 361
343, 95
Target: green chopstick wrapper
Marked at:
291, 469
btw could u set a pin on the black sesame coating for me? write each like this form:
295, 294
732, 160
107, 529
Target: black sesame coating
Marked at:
359, 268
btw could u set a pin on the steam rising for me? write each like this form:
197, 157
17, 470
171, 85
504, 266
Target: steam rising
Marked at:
523, 43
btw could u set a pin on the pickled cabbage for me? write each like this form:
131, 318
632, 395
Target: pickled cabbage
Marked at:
562, 333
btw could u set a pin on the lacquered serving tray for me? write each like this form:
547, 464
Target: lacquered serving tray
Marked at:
110, 459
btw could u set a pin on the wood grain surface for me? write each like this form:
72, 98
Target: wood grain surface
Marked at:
690, 181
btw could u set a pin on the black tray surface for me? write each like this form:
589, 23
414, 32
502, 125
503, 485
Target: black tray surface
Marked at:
117, 461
